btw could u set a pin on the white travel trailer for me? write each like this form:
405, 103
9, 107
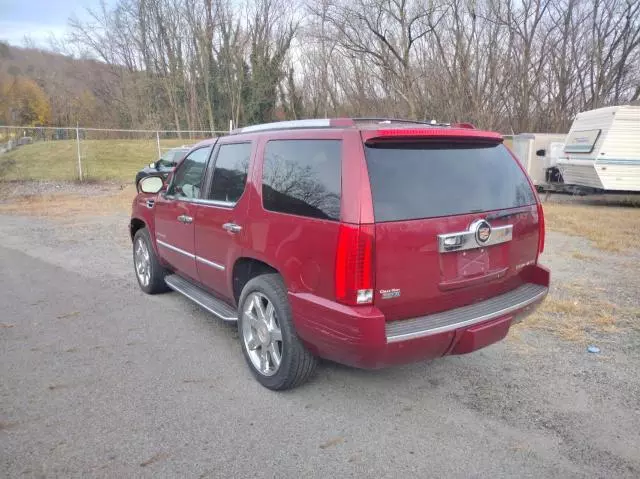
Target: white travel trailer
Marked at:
538, 152
602, 150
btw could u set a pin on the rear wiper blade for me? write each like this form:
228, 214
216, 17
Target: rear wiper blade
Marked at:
507, 214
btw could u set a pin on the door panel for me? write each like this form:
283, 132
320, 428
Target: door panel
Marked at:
220, 219
175, 213
216, 247
175, 238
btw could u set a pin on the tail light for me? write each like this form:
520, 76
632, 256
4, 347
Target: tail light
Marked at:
354, 264
540, 228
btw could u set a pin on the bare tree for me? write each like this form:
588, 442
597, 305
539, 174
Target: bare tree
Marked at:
513, 65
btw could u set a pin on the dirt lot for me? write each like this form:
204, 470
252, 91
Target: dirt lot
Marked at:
98, 379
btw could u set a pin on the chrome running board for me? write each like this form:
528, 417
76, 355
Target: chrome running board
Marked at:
201, 297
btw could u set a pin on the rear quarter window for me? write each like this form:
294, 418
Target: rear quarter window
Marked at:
302, 177
427, 180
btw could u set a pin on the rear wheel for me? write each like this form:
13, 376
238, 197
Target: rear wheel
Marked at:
273, 351
149, 273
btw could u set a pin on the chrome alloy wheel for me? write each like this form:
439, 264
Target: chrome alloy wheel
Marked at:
261, 334
142, 262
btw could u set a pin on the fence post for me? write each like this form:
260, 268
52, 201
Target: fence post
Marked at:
158, 144
79, 157
230, 126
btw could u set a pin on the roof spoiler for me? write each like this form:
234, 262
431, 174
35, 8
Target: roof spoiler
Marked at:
433, 133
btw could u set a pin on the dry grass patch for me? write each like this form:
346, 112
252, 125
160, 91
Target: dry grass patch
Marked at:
573, 314
610, 228
66, 206
581, 256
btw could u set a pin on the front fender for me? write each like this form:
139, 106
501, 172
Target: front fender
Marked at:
142, 211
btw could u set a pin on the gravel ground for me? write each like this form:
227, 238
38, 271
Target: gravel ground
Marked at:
15, 189
98, 379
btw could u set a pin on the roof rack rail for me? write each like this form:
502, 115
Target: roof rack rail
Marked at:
291, 124
337, 123
383, 121
391, 120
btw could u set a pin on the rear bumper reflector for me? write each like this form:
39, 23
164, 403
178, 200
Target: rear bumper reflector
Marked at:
498, 306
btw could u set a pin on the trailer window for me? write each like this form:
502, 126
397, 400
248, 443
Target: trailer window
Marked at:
581, 141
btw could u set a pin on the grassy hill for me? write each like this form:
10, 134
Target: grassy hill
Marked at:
101, 159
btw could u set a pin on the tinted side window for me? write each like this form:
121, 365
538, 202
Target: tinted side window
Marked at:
302, 177
188, 177
230, 173
427, 180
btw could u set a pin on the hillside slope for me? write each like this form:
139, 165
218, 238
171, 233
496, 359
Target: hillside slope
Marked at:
77, 89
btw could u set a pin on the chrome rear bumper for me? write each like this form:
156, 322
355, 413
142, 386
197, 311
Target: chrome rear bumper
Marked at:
502, 305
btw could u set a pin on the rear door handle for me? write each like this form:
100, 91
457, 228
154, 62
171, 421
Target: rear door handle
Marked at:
232, 227
185, 219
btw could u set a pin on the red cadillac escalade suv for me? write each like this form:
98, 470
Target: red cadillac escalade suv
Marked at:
367, 242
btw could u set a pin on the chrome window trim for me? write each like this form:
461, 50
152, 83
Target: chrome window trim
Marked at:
211, 146
211, 173
200, 201
221, 204
210, 263
466, 240
176, 249
207, 179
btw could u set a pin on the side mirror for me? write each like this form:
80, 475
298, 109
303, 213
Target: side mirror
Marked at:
151, 184
542, 152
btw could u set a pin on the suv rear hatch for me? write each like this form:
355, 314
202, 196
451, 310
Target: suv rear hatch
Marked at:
456, 219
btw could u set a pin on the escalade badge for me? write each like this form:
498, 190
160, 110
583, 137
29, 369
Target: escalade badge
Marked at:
483, 232
389, 293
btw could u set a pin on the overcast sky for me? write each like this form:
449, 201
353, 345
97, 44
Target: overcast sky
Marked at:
39, 18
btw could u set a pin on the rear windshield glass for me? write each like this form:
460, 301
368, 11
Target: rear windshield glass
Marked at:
427, 180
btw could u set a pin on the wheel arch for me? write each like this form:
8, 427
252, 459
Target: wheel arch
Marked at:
244, 270
134, 225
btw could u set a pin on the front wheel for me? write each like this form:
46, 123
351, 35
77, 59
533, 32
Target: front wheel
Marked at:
149, 273
271, 347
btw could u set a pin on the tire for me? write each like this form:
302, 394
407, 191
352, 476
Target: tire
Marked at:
296, 364
151, 276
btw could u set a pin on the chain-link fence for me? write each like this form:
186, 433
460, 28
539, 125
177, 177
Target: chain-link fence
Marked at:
86, 154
